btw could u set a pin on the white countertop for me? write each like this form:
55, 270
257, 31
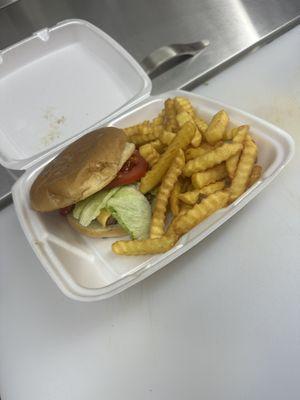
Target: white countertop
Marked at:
222, 322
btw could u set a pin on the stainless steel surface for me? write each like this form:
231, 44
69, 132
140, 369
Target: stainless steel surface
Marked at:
7, 179
5, 3
189, 75
232, 27
142, 26
166, 57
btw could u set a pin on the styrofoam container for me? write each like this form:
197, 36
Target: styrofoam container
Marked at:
58, 83
86, 269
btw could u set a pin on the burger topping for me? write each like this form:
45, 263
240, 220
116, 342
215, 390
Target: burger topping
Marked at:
105, 218
132, 211
132, 171
125, 205
88, 209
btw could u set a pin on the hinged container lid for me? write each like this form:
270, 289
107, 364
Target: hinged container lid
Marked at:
59, 83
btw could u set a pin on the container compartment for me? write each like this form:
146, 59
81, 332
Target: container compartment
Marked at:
86, 269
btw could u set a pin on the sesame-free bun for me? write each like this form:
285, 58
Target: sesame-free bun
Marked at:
95, 230
82, 169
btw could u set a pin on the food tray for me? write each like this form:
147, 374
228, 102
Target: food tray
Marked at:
86, 269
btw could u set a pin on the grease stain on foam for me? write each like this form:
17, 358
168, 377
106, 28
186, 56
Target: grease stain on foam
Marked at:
55, 123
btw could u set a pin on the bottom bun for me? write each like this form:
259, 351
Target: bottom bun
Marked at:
95, 230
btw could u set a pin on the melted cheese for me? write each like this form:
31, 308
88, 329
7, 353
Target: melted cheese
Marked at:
103, 217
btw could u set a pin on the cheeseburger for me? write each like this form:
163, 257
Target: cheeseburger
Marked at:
94, 183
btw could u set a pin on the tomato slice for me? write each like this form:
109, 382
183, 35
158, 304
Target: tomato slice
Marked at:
132, 171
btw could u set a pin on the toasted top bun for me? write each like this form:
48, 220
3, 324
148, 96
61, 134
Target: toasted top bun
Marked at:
83, 168
95, 230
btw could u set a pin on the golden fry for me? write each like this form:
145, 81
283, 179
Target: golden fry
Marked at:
244, 169
174, 202
212, 188
200, 211
230, 134
184, 117
201, 124
157, 145
147, 246
196, 141
183, 104
165, 189
211, 158
166, 137
143, 138
217, 127
193, 153
170, 122
149, 153
190, 197
201, 179
183, 210
239, 137
181, 141
255, 175
142, 128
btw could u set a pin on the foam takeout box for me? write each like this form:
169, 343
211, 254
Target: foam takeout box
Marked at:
61, 83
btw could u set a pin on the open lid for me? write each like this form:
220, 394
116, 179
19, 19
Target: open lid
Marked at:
59, 83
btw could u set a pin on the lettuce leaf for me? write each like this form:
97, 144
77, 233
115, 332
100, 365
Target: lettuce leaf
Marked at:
132, 211
88, 209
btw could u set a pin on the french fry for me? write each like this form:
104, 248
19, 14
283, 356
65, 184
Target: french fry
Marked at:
166, 137
181, 141
201, 179
190, 197
192, 164
149, 153
170, 123
255, 175
199, 212
217, 127
184, 104
197, 138
157, 145
150, 133
147, 246
142, 128
201, 124
193, 153
207, 146
212, 188
244, 169
239, 137
211, 158
165, 189
230, 134
174, 202
183, 210
184, 117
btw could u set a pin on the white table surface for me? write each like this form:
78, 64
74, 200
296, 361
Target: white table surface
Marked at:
222, 322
